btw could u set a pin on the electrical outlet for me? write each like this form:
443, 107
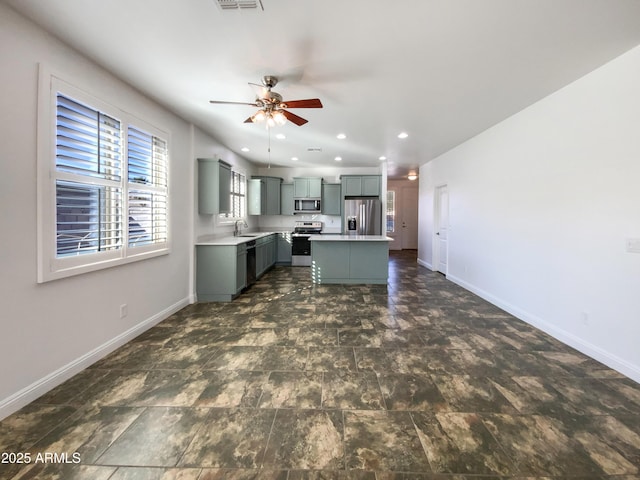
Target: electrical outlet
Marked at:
124, 310
585, 318
633, 245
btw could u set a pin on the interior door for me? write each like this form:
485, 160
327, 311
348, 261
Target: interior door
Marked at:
410, 218
441, 229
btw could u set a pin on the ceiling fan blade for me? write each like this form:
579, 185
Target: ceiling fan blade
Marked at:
309, 103
292, 117
222, 102
249, 120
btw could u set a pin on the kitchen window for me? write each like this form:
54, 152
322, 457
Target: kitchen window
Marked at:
238, 201
103, 184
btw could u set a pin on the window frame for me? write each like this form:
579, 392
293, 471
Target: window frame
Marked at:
50, 265
390, 213
222, 218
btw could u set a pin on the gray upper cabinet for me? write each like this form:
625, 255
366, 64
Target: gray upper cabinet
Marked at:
286, 199
307, 188
331, 199
214, 186
264, 196
361, 185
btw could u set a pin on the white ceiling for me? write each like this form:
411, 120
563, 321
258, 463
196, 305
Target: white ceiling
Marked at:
440, 70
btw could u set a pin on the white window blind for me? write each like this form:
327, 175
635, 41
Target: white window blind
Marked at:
238, 197
147, 167
88, 187
105, 188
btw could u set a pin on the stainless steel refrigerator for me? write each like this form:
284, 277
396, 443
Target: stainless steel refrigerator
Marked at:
367, 214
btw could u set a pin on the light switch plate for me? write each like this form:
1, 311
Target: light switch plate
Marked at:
633, 245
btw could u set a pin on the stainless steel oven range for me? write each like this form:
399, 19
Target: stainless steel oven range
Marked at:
300, 244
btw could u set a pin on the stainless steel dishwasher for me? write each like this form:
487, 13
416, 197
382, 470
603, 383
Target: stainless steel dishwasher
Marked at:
251, 262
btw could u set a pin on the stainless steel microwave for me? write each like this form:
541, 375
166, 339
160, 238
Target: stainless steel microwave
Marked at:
305, 205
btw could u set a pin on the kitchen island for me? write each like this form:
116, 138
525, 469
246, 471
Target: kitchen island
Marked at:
352, 259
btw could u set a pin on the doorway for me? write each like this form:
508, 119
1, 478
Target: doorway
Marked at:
402, 215
441, 229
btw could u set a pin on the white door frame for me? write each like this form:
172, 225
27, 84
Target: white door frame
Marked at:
439, 193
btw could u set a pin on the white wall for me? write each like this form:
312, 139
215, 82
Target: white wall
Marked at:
541, 206
50, 331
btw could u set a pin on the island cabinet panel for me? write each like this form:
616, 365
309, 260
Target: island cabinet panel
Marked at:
357, 261
214, 186
220, 272
368, 260
330, 261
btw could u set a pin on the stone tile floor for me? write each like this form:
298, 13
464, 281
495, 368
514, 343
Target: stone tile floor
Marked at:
418, 379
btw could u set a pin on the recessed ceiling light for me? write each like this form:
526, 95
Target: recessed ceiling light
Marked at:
280, 136
382, 158
338, 159
295, 159
341, 136
403, 135
244, 149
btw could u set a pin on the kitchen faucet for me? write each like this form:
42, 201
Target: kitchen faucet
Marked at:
236, 228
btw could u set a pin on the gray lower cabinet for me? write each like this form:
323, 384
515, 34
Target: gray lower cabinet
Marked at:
220, 272
331, 199
266, 252
214, 186
283, 247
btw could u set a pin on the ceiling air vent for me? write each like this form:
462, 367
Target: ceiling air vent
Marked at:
314, 149
240, 4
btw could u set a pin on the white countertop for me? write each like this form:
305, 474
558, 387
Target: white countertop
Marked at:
350, 238
231, 240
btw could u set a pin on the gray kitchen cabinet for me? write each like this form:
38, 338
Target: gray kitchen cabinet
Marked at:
265, 254
361, 185
214, 186
331, 199
220, 272
264, 195
283, 247
307, 187
286, 199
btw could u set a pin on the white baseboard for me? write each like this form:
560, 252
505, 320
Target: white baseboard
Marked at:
611, 360
425, 264
30, 393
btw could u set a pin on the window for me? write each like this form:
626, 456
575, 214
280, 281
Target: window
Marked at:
238, 202
391, 211
103, 193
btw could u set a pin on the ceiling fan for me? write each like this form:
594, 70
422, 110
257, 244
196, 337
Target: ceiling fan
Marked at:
272, 107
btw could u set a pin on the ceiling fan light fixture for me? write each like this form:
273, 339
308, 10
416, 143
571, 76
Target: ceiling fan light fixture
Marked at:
259, 116
412, 176
279, 117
